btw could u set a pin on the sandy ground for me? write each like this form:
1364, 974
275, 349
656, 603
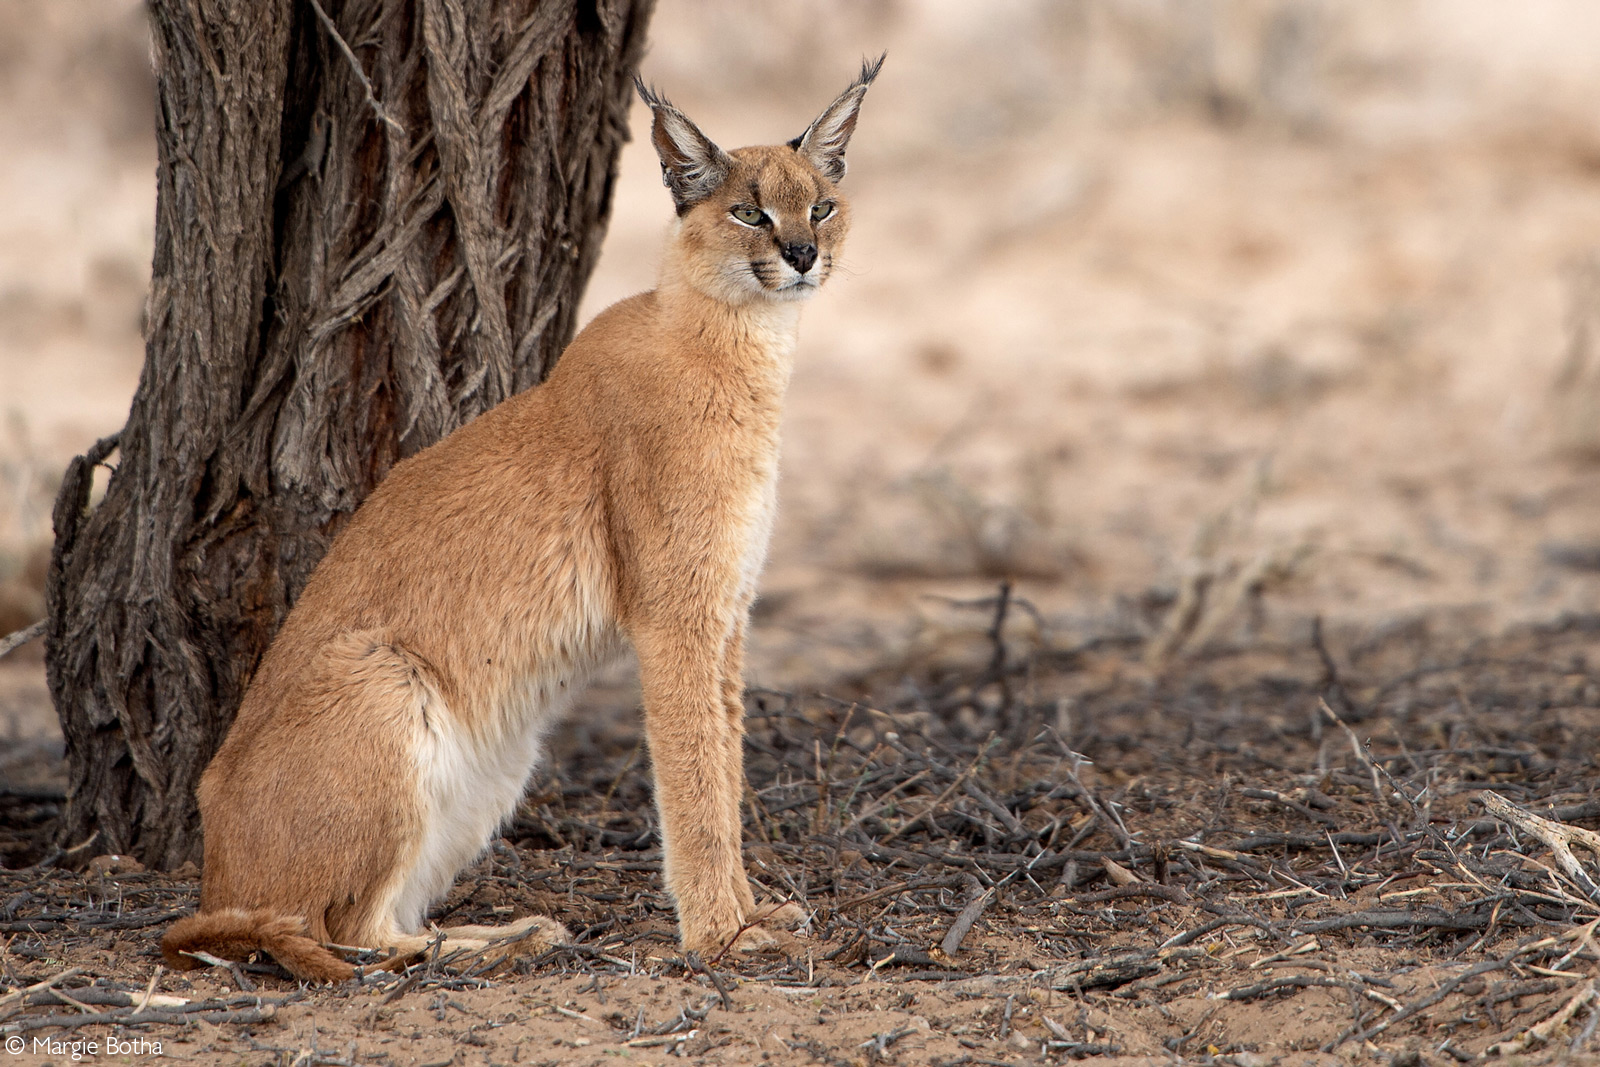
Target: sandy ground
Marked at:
1272, 309
1277, 895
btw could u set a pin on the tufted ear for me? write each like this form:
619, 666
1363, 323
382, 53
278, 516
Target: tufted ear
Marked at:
692, 166
824, 141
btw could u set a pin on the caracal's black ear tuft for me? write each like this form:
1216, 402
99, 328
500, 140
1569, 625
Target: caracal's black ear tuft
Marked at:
825, 140
692, 166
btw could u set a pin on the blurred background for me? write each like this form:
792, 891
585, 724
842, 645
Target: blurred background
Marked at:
1196, 319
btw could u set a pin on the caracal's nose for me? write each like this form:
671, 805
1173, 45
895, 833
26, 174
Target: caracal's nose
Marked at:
800, 256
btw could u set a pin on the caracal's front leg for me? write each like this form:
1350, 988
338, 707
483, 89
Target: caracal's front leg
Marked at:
774, 914
732, 672
696, 759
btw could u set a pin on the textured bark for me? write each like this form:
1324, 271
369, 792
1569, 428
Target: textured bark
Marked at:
374, 221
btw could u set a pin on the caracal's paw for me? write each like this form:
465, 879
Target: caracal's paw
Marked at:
527, 938
786, 915
746, 939
761, 940
531, 936
767, 929
486, 949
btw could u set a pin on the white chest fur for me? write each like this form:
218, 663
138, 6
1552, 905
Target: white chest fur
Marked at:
469, 784
761, 508
769, 340
471, 777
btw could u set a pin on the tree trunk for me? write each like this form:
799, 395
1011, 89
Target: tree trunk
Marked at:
374, 220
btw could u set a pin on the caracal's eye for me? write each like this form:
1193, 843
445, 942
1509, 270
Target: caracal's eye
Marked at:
821, 211
750, 216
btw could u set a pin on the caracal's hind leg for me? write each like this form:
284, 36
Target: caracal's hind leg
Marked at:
478, 948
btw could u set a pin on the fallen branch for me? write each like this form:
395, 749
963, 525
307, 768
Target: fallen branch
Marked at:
116, 998
23, 636
12, 1002
1391, 920
1558, 837
231, 966
262, 1014
698, 966
963, 924
1105, 972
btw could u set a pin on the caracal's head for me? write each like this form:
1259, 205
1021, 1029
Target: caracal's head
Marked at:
761, 223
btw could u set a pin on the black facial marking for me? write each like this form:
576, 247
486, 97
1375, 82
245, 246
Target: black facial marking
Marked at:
762, 271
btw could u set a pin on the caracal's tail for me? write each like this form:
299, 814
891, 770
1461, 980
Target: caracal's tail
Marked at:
234, 934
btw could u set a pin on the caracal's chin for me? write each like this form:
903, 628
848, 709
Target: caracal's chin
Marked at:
790, 294
791, 285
